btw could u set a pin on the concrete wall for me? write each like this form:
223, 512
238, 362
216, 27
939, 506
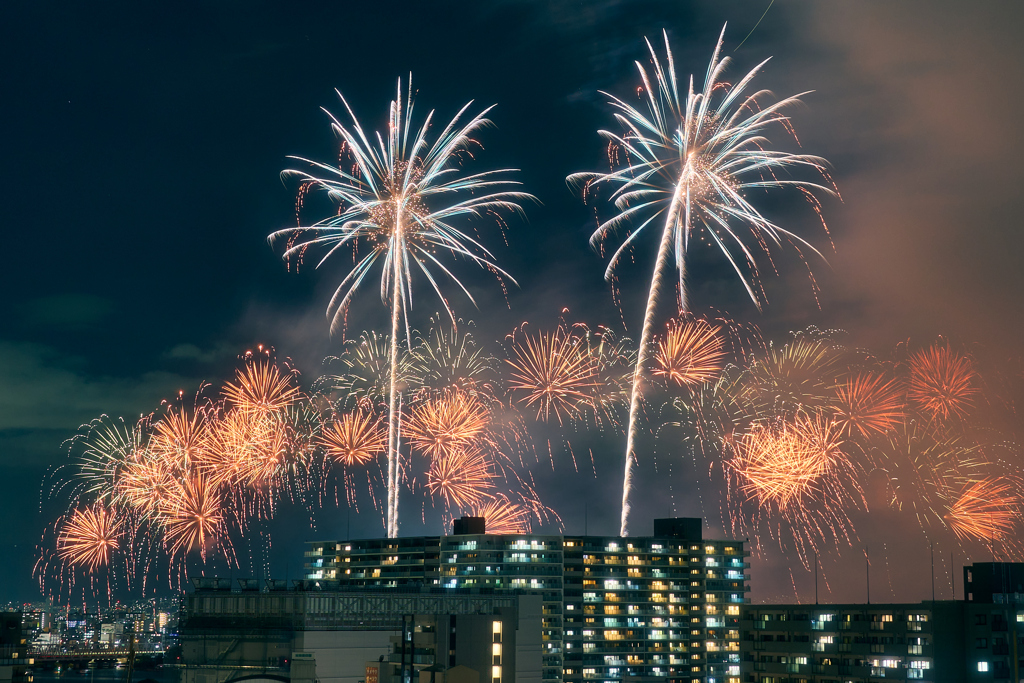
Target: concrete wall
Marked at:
341, 656
529, 642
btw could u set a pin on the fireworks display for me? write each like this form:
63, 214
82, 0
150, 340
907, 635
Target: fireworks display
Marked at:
986, 510
690, 162
792, 443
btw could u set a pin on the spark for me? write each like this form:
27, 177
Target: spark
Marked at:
868, 404
192, 516
261, 388
448, 422
462, 477
502, 516
781, 465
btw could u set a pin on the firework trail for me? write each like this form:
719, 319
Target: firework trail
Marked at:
691, 160
400, 200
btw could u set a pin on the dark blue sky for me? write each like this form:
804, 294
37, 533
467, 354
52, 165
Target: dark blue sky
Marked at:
142, 146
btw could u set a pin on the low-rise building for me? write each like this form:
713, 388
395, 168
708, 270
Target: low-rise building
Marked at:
306, 634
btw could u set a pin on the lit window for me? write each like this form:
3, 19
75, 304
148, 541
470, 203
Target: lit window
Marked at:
982, 666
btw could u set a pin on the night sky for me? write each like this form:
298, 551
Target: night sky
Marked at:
141, 159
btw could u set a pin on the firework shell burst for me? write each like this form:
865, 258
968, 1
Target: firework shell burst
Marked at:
88, 537
691, 353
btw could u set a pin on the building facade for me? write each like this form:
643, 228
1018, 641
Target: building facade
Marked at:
994, 621
660, 608
847, 643
306, 635
977, 640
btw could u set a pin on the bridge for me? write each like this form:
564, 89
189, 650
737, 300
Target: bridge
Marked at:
62, 653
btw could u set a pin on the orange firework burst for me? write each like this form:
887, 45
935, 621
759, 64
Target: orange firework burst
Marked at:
502, 516
691, 353
247, 447
354, 439
145, 483
462, 477
784, 463
261, 388
556, 372
943, 383
985, 511
192, 515
180, 439
87, 538
447, 422
868, 404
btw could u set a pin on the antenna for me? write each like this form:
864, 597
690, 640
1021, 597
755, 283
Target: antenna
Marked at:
952, 575
815, 577
867, 571
932, 545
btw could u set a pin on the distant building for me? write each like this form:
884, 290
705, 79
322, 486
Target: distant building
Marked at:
664, 607
948, 641
305, 634
845, 643
13, 648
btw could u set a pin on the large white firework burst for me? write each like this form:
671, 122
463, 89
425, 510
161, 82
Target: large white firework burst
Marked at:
689, 163
400, 199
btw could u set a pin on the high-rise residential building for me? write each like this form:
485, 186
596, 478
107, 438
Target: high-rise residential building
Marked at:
994, 621
664, 607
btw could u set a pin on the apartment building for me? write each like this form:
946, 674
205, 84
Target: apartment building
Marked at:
664, 607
